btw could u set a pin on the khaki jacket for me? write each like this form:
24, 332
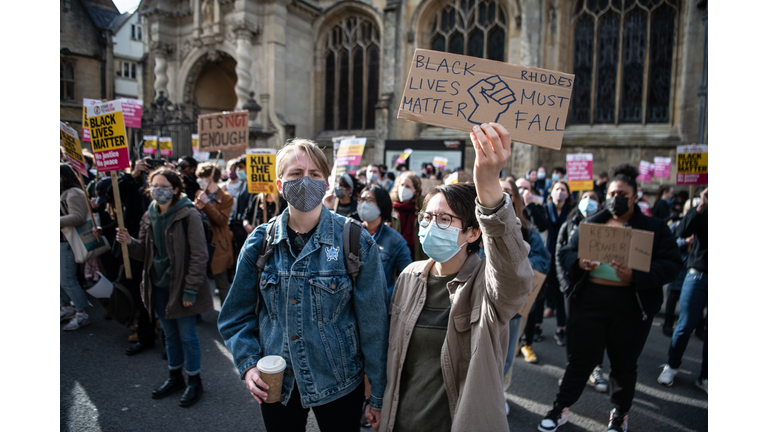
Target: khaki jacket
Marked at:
217, 212
188, 255
485, 295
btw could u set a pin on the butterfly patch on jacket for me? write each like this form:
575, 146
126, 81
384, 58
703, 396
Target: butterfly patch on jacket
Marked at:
332, 253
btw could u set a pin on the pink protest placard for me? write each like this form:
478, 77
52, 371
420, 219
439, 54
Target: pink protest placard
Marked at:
646, 172
662, 167
579, 169
132, 112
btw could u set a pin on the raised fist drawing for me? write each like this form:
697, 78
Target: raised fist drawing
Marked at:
492, 98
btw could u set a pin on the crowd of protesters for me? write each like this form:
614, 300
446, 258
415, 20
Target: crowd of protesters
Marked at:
394, 307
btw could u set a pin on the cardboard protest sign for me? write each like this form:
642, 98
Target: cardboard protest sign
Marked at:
646, 172
440, 162
538, 282
72, 148
262, 170
110, 147
428, 184
662, 167
132, 112
458, 92
337, 142
579, 169
150, 144
627, 246
349, 155
86, 129
403, 156
165, 145
226, 130
692, 164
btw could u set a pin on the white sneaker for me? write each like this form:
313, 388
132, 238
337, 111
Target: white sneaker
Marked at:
506, 406
667, 376
80, 320
554, 419
66, 313
597, 381
700, 383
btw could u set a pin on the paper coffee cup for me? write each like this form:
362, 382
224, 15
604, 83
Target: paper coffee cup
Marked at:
271, 370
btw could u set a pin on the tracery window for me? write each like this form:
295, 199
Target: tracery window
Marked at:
352, 62
67, 79
622, 61
470, 27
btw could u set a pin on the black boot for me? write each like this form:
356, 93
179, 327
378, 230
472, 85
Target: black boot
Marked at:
193, 392
174, 383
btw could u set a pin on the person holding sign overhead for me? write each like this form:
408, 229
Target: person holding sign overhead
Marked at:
611, 305
449, 319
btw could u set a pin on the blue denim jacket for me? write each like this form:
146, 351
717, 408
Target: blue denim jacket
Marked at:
329, 332
394, 254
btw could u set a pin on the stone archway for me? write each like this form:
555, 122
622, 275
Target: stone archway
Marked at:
211, 82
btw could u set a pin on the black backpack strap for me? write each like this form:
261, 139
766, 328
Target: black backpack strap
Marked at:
267, 248
352, 231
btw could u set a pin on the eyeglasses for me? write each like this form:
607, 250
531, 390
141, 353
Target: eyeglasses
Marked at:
160, 186
442, 220
181, 167
369, 200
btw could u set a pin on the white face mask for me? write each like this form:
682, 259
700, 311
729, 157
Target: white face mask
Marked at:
404, 193
368, 211
639, 194
202, 183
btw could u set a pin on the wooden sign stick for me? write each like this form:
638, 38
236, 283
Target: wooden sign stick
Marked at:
264, 203
120, 224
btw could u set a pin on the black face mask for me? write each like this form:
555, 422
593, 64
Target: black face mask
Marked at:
617, 206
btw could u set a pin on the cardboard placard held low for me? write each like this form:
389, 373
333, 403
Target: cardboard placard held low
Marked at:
538, 282
459, 92
632, 247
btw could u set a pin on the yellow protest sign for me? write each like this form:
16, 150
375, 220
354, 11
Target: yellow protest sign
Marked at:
261, 170
108, 140
72, 148
166, 146
692, 164
349, 155
195, 143
150, 144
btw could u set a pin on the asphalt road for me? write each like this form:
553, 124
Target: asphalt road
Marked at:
102, 389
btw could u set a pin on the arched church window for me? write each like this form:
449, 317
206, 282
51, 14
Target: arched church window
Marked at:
476, 28
622, 61
67, 78
352, 51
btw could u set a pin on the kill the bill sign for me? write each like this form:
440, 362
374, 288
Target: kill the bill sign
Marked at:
108, 140
261, 170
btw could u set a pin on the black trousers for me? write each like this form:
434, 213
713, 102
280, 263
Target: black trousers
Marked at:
604, 318
146, 326
342, 415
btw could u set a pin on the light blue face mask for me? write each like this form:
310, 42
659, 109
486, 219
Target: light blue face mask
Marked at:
588, 207
242, 175
440, 244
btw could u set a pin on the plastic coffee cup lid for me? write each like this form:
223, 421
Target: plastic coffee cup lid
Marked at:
596, 263
271, 364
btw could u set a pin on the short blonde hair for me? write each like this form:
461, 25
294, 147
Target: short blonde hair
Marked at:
307, 146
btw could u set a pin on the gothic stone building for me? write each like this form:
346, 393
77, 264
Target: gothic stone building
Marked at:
325, 68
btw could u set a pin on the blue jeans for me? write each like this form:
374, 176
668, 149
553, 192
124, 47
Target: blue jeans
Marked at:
514, 329
181, 341
693, 300
69, 287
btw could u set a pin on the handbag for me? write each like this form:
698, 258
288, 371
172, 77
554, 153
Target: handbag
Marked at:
84, 243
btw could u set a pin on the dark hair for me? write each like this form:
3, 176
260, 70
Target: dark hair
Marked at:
89, 159
356, 185
568, 200
191, 161
559, 169
400, 166
461, 200
382, 168
172, 178
68, 176
662, 189
625, 173
683, 195
382, 200
209, 169
391, 175
242, 160
603, 175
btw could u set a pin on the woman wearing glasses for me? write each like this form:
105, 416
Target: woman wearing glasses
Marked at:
172, 245
449, 314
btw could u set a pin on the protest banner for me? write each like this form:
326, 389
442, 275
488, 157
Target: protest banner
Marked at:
337, 141
631, 247
459, 92
579, 169
86, 129
349, 155
110, 147
150, 144
646, 172
428, 184
72, 149
403, 156
440, 162
452, 179
536, 284
692, 164
662, 167
165, 145
261, 170
132, 112
226, 130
